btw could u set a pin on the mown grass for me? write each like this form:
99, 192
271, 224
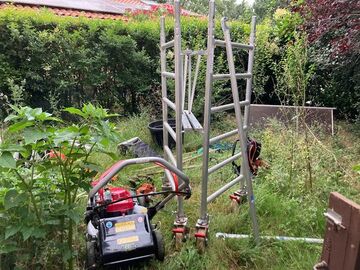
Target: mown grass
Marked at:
287, 203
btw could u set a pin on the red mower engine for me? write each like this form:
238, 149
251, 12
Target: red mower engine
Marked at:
111, 194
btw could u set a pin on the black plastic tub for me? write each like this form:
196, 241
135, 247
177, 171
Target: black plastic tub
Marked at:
156, 130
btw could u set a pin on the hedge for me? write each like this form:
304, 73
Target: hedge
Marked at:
65, 61
68, 61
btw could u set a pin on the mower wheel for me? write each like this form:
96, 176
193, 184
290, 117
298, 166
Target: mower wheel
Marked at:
159, 246
90, 263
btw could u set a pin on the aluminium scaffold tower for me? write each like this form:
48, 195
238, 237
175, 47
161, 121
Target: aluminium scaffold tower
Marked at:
242, 120
185, 120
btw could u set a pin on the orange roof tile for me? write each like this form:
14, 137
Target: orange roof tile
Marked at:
71, 12
132, 2
111, 9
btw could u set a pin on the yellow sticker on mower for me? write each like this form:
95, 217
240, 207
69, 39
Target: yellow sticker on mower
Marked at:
125, 226
128, 240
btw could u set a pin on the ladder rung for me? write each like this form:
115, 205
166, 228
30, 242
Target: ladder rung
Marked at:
224, 188
227, 76
168, 74
222, 43
223, 136
169, 103
192, 53
170, 130
185, 122
167, 45
170, 154
228, 106
223, 163
193, 121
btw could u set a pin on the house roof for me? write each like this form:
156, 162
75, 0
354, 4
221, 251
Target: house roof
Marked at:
102, 9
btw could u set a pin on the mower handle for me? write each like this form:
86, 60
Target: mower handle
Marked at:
117, 167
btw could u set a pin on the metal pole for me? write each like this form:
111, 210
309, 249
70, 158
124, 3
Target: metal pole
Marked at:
279, 238
249, 84
249, 70
178, 97
242, 137
163, 84
189, 84
185, 78
207, 112
194, 82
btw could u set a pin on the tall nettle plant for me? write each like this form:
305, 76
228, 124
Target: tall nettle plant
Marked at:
45, 165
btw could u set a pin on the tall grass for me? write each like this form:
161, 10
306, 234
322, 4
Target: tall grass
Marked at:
286, 204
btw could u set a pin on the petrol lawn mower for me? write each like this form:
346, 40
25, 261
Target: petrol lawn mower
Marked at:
119, 228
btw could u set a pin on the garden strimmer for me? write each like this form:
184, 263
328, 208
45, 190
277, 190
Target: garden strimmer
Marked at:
119, 228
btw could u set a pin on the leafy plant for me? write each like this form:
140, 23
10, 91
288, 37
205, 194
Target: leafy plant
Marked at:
45, 167
285, 24
17, 92
295, 72
293, 76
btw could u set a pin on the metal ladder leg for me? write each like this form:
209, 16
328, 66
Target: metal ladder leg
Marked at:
249, 83
181, 219
241, 132
166, 185
203, 222
180, 223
